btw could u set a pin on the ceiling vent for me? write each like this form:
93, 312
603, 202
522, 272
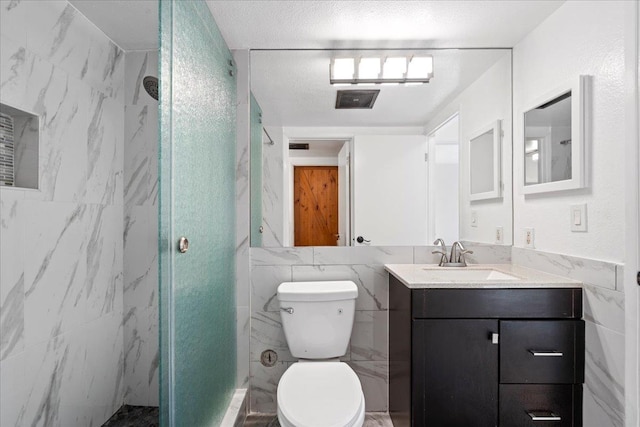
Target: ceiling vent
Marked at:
356, 98
298, 146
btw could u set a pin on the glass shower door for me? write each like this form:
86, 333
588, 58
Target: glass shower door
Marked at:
197, 203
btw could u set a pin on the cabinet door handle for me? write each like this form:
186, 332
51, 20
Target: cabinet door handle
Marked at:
546, 353
543, 416
495, 338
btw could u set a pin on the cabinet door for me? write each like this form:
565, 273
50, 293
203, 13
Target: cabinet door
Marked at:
455, 373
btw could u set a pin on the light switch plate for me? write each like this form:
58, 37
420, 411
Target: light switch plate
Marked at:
474, 218
529, 238
499, 235
578, 217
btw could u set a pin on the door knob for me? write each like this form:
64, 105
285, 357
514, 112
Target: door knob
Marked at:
183, 245
361, 239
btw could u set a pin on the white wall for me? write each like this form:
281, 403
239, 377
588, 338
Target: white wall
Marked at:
585, 38
579, 38
486, 100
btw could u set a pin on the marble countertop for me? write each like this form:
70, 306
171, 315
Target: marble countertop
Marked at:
430, 276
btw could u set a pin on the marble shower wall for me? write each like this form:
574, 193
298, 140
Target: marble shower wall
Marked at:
141, 347
603, 303
61, 272
368, 350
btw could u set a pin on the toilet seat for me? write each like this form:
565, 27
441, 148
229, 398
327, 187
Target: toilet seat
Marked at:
320, 394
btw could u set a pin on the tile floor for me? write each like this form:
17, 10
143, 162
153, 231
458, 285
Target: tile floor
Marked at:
267, 420
134, 416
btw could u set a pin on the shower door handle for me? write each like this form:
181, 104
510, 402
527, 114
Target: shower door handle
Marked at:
183, 245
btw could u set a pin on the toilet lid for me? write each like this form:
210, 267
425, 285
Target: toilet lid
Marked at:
323, 394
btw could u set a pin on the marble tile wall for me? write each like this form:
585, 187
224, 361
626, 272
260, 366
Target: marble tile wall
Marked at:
61, 260
272, 189
368, 350
141, 350
604, 317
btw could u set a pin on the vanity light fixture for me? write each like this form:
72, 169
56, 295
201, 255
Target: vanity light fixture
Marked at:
366, 70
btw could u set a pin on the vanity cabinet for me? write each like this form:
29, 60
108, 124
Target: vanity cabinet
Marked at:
485, 357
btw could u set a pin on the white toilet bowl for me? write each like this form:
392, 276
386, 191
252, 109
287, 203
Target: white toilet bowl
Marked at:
320, 394
319, 390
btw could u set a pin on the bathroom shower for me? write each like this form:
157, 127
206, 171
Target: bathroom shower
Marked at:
150, 84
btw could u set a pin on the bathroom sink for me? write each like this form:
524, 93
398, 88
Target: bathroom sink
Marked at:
466, 274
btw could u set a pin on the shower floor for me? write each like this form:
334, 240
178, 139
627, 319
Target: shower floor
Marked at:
266, 420
134, 416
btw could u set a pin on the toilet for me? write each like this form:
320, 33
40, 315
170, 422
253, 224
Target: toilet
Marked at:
319, 390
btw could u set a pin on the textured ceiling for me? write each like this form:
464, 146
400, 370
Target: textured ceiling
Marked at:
133, 24
379, 24
292, 88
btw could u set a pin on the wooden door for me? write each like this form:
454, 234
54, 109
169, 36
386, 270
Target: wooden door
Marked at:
315, 205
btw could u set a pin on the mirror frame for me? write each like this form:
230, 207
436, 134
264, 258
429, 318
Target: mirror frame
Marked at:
580, 125
496, 192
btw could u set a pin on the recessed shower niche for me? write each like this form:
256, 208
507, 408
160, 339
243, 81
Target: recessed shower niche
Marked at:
19, 147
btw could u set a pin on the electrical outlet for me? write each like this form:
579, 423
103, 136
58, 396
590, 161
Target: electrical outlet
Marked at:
499, 235
474, 218
529, 237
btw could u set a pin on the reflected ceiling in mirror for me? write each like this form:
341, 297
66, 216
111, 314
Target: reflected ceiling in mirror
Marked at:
292, 87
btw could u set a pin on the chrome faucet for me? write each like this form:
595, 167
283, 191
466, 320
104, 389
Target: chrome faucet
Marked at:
455, 259
442, 251
458, 261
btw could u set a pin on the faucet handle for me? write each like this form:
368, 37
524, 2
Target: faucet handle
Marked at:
462, 254
443, 256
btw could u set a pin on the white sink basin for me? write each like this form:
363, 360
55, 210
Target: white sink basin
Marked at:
467, 274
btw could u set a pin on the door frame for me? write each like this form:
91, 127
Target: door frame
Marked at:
431, 218
632, 214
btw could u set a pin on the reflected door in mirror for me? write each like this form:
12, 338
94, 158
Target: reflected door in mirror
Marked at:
315, 206
390, 189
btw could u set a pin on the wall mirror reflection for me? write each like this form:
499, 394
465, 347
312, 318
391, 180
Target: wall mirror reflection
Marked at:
555, 139
371, 163
484, 164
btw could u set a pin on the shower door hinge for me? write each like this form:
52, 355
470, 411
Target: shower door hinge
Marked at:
426, 157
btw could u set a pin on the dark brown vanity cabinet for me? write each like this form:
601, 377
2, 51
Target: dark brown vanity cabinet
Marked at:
485, 357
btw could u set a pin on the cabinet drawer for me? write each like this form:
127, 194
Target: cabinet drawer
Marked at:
496, 303
520, 403
545, 351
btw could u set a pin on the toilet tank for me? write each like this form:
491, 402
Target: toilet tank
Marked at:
317, 317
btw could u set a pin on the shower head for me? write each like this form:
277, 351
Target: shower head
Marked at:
151, 86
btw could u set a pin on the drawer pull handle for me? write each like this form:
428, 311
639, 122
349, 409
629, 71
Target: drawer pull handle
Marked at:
546, 353
543, 416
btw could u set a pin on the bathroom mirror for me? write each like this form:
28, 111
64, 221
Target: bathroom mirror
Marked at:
555, 139
401, 175
484, 163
